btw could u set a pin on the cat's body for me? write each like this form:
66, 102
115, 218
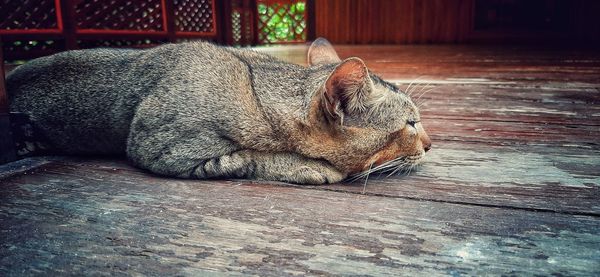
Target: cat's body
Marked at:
190, 110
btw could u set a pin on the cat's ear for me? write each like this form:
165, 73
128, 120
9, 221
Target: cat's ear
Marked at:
347, 88
321, 52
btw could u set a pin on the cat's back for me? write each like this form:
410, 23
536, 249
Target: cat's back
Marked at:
80, 100
67, 64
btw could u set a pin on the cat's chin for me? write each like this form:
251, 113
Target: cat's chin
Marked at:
415, 160
401, 165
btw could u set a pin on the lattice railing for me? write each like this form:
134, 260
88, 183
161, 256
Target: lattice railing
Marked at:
93, 15
41, 15
242, 23
194, 16
31, 28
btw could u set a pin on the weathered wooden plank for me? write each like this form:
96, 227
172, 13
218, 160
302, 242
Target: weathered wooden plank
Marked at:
516, 114
560, 179
563, 179
539, 179
101, 217
513, 133
573, 105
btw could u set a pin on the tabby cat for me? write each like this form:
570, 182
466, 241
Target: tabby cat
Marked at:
197, 110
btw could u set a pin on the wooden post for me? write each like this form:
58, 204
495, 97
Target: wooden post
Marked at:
310, 20
224, 32
7, 145
68, 18
170, 19
253, 8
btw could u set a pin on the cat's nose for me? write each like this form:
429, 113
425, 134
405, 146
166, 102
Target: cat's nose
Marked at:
427, 146
426, 142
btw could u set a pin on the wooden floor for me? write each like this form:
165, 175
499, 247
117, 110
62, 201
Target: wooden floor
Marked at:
511, 187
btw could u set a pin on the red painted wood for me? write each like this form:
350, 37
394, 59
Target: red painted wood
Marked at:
68, 32
30, 32
59, 15
165, 14
118, 32
58, 30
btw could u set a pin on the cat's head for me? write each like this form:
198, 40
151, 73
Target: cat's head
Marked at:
357, 121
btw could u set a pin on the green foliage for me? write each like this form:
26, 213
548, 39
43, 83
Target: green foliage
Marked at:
282, 23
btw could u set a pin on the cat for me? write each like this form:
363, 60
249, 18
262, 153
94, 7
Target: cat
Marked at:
198, 110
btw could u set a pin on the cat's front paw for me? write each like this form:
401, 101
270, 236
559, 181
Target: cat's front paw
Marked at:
311, 176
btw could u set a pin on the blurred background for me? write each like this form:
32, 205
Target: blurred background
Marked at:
32, 28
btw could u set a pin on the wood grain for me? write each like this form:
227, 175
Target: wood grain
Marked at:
557, 179
451, 21
103, 217
393, 21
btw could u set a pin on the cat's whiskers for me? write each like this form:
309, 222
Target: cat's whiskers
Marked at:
395, 165
426, 87
421, 89
400, 167
423, 93
410, 169
367, 179
406, 168
407, 90
426, 91
368, 171
422, 104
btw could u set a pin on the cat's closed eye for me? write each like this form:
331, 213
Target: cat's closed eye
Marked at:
412, 123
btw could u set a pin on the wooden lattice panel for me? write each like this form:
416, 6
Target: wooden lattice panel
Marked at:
194, 16
242, 23
281, 21
127, 15
28, 15
236, 26
241, 26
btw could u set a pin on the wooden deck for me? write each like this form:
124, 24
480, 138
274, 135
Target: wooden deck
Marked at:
511, 187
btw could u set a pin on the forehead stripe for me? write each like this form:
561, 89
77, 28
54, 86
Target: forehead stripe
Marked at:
385, 84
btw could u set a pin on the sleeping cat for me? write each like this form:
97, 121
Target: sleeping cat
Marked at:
196, 110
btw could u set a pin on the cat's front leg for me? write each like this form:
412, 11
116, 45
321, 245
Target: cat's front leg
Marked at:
279, 166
